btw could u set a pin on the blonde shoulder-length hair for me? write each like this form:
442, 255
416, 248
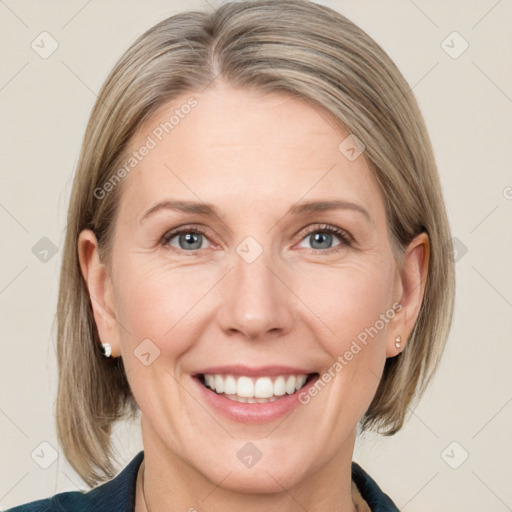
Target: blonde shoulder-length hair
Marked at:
292, 46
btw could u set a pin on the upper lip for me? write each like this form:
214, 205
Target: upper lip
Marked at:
253, 371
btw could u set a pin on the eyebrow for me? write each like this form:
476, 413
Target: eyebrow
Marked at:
296, 209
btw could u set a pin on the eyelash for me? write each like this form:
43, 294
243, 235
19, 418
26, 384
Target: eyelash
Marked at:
345, 238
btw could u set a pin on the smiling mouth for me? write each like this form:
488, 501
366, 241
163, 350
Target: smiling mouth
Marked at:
254, 390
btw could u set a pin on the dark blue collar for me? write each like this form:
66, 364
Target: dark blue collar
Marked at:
119, 493
371, 492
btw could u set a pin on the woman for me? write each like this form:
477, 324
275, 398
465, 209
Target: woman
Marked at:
257, 259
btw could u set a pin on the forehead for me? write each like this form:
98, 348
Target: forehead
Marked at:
235, 147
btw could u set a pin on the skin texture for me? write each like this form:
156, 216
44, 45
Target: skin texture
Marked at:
252, 156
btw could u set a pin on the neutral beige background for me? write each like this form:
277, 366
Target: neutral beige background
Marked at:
467, 103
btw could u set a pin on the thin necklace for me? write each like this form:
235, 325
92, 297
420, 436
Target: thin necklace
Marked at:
143, 493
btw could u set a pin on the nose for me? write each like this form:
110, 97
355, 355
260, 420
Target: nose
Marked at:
255, 300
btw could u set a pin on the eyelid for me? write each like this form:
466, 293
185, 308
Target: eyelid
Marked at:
187, 228
347, 240
313, 228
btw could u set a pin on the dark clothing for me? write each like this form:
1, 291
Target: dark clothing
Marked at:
118, 494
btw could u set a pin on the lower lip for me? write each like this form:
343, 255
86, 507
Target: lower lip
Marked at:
253, 413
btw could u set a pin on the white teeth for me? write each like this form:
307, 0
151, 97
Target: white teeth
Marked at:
279, 386
229, 385
210, 381
263, 388
255, 390
301, 379
290, 385
245, 387
219, 384
237, 398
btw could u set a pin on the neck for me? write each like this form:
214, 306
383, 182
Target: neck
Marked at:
170, 484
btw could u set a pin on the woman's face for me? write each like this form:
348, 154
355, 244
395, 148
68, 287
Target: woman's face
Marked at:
250, 248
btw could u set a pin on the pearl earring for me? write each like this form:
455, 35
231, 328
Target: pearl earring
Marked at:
106, 349
398, 340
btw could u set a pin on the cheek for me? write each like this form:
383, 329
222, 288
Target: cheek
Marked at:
158, 302
351, 305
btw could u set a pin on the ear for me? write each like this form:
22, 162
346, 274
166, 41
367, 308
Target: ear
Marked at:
101, 293
413, 278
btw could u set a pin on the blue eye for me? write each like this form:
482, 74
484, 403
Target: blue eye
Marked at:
186, 239
321, 238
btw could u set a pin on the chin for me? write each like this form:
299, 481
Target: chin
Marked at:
259, 481
262, 475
